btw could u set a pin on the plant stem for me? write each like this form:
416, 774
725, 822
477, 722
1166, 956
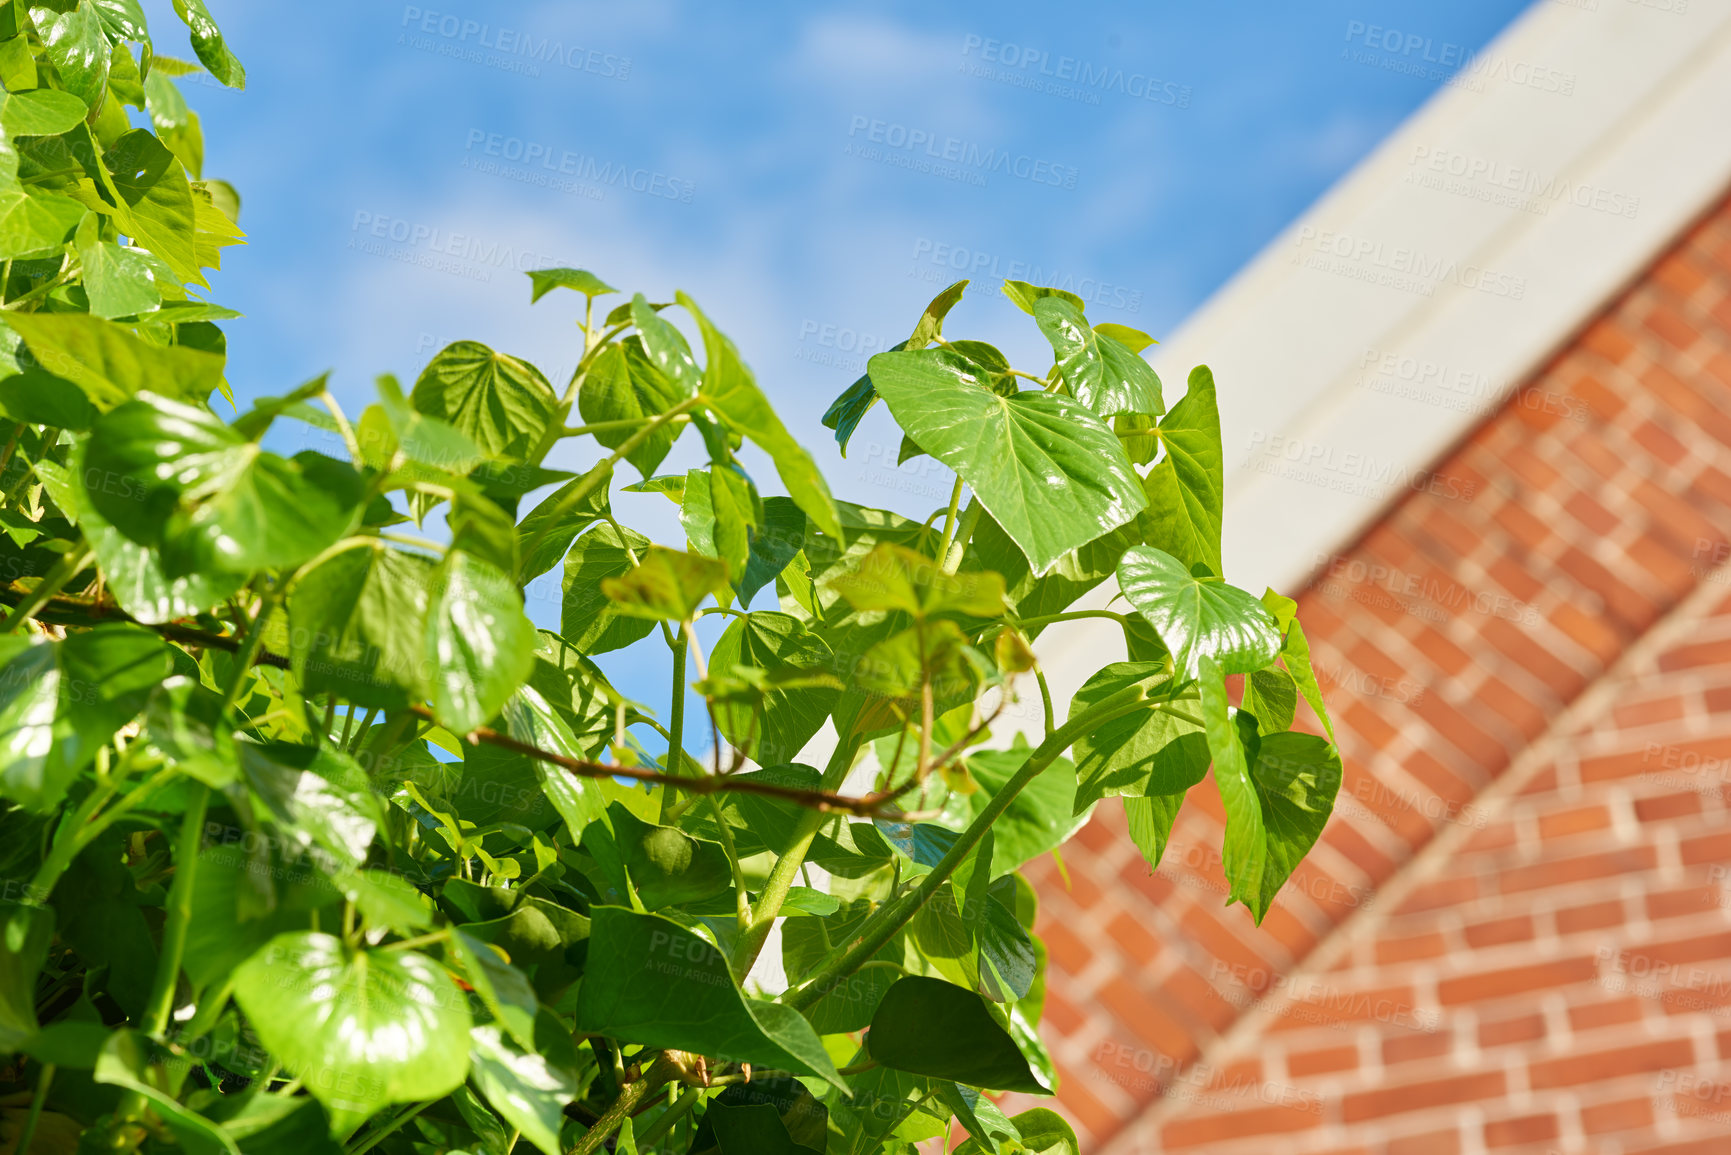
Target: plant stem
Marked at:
892, 916
950, 522
658, 1075
250, 647
83, 829
1070, 616
676, 716
786, 869
52, 583
618, 426
668, 1119
43, 1082
179, 912
389, 1129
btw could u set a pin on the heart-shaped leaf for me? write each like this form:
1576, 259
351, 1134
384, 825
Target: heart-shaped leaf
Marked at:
1198, 617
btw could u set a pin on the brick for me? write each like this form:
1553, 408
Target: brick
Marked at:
1138, 945
1276, 1120
1632, 1058
1605, 338
1579, 820
1483, 986
1583, 868
1517, 1029
1431, 944
1590, 916
1427, 1143
1418, 1096
1411, 1046
1622, 1115
1148, 1021
1517, 928
1523, 1129
1669, 326
1443, 892
1325, 1060
1610, 1013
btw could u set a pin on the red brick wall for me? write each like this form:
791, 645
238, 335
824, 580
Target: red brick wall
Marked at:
1515, 934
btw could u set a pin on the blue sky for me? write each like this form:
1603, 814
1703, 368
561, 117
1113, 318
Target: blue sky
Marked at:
398, 164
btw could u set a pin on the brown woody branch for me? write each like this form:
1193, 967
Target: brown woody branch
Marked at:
80, 611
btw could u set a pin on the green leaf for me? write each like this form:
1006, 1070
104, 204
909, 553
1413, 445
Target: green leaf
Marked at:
555, 523
220, 934
771, 1115
61, 700
532, 718
110, 364
317, 797
589, 619
132, 573
1271, 697
363, 1029
1186, 489
1025, 296
732, 393
388, 900
34, 224
624, 384
930, 1027
74, 42
423, 439
1103, 373
160, 210
666, 347
544, 281
124, 20
124, 1062
1198, 617
207, 41
668, 867
851, 1002
1278, 790
892, 577
25, 932
575, 689
1295, 653
1044, 466
120, 281
500, 402
847, 411
667, 584
1039, 1132
931, 324
357, 625
479, 644
41, 112
525, 1088
1149, 752
773, 642
653, 982
719, 510
775, 542
1150, 820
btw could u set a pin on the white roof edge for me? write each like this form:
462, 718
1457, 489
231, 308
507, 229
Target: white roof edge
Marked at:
1388, 320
